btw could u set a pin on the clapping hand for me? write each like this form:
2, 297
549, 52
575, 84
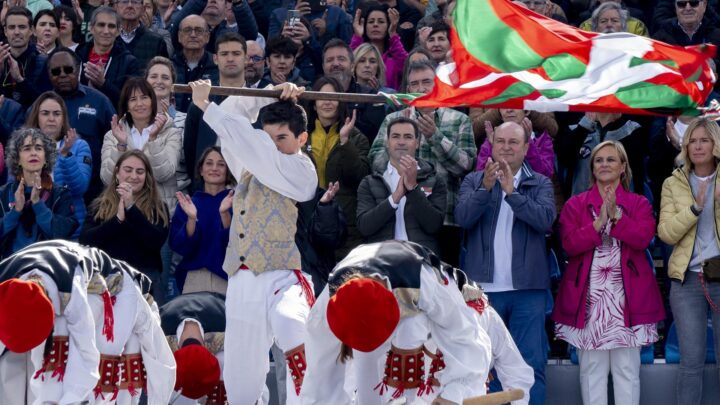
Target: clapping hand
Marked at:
118, 131
37, 187
68, 141
187, 205
347, 128
330, 193
226, 202
490, 175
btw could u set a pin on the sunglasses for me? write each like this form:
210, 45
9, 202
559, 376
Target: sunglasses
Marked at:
62, 69
256, 58
683, 4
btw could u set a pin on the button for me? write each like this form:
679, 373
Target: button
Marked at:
242, 212
242, 258
242, 235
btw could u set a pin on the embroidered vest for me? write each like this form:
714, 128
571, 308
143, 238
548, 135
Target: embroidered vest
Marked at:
263, 229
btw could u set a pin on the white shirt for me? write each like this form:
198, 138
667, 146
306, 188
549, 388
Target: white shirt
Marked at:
140, 139
392, 178
502, 246
247, 148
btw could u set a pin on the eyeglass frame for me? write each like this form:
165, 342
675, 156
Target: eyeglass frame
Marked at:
57, 71
686, 2
196, 30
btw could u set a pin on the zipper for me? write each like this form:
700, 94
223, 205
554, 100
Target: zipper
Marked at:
577, 273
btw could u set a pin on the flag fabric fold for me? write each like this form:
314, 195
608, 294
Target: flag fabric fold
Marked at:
505, 56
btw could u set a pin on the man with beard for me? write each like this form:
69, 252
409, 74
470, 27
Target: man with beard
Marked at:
89, 111
140, 41
255, 66
192, 61
21, 66
337, 63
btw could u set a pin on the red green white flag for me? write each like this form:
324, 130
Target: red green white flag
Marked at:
507, 56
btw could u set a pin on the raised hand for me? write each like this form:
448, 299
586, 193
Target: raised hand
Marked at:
37, 187
409, 165
610, 201
490, 132
394, 16
20, 196
507, 180
423, 34
125, 192
290, 91
426, 125
672, 133
169, 12
330, 193
358, 23
95, 74
303, 7
157, 126
118, 131
347, 128
226, 202
320, 24
187, 205
491, 172
526, 124
68, 141
201, 93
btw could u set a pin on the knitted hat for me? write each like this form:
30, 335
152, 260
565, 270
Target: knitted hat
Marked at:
363, 314
198, 371
27, 315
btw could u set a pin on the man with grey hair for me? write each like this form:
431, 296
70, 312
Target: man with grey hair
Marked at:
608, 18
633, 23
255, 66
107, 63
505, 211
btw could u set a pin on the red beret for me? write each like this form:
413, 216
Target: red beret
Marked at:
198, 371
363, 314
27, 315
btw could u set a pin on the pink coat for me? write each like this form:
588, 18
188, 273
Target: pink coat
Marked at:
635, 230
393, 58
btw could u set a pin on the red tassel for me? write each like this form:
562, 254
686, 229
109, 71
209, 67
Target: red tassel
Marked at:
40, 373
109, 319
398, 392
59, 372
98, 392
309, 295
383, 387
115, 394
131, 390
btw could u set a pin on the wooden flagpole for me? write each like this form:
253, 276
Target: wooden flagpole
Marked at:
308, 95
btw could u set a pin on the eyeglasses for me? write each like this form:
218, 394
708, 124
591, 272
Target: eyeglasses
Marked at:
62, 69
196, 30
126, 2
683, 4
535, 3
255, 58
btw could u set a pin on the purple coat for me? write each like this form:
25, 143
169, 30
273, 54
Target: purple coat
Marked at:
635, 230
393, 58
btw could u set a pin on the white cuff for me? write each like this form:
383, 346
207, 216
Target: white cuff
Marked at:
392, 203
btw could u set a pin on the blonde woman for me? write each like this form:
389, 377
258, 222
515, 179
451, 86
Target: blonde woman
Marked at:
688, 220
369, 69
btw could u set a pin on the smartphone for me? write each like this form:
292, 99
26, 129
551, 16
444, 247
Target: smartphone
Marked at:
293, 17
317, 6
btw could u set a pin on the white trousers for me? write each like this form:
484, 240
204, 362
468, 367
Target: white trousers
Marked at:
623, 363
15, 374
259, 310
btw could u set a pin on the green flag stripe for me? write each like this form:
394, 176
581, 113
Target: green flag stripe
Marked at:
515, 90
502, 48
649, 95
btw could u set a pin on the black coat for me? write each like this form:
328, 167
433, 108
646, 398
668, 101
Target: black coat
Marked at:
321, 229
120, 67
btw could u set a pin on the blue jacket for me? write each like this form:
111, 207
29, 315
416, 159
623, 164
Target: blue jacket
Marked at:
206, 247
90, 113
533, 208
74, 172
51, 218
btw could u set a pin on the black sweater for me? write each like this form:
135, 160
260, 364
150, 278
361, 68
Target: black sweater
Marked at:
135, 240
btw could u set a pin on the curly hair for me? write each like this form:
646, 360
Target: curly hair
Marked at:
15, 144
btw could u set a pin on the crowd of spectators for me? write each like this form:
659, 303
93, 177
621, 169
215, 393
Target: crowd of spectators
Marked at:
536, 207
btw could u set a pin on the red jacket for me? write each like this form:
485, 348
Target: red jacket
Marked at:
635, 230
